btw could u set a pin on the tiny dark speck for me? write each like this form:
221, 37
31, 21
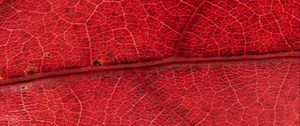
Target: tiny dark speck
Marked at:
29, 70
97, 62
24, 87
48, 55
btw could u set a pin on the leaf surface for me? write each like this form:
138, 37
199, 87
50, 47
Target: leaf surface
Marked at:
149, 62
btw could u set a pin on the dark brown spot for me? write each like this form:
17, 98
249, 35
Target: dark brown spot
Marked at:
29, 70
97, 62
23, 87
48, 55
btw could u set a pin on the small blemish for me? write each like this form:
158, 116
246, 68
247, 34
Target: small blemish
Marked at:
24, 87
97, 62
1, 78
29, 70
48, 54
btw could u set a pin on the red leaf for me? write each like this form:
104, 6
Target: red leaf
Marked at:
149, 62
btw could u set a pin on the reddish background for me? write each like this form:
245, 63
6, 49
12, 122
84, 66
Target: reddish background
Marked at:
63, 37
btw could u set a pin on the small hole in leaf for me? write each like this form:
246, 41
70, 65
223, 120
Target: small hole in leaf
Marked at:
97, 62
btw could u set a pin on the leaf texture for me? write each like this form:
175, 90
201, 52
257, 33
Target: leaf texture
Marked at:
149, 62
262, 92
